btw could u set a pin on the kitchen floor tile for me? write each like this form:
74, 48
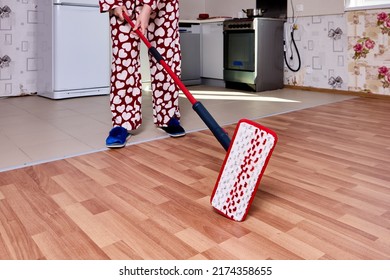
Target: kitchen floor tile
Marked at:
56, 150
35, 129
11, 154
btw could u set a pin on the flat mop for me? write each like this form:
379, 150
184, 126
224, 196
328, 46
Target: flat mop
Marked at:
246, 158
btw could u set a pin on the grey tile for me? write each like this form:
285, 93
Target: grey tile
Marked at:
35, 129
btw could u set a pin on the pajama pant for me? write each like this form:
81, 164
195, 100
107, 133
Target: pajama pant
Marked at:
126, 88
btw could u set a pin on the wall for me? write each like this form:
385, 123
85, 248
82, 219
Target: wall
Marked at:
323, 57
18, 63
329, 56
310, 7
190, 9
369, 50
315, 7
228, 8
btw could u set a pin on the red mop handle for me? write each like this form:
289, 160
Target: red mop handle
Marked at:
160, 60
198, 107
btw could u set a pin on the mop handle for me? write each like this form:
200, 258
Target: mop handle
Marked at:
161, 61
198, 107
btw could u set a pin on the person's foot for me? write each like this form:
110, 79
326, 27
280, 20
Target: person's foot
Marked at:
174, 129
117, 137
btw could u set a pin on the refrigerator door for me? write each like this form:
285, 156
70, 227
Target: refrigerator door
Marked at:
77, 2
81, 50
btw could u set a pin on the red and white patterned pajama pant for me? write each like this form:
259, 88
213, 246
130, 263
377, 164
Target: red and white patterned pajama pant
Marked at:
126, 88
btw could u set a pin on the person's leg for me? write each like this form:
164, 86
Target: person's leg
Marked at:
125, 93
163, 34
125, 97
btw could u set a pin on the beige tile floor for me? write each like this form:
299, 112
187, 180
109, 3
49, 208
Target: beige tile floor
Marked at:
35, 129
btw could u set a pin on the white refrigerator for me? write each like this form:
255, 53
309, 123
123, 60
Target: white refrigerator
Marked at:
74, 48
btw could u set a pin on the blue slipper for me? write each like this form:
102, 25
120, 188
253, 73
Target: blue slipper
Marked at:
117, 137
174, 129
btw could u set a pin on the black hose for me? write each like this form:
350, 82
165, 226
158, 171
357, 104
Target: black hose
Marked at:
299, 57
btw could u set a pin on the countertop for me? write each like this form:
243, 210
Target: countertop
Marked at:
200, 21
218, 19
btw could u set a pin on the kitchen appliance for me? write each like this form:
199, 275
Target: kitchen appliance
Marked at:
74, 49
253, 53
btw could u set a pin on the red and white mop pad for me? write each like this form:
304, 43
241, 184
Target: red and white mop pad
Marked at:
243, 167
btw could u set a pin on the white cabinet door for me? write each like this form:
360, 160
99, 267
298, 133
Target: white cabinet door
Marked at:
212, 50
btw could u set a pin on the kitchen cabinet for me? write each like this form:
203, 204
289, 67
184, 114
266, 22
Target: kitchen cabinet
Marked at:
190, 53
190, 61
212, 50
202, 51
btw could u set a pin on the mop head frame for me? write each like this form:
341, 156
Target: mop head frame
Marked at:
242, 169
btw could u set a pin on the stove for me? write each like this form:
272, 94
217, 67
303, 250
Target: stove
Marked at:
253, 53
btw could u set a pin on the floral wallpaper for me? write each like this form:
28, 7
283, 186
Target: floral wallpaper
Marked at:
18, 63
348, 52
368, 45
322, 45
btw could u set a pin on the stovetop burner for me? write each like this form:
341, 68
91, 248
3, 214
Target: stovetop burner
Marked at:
238, 24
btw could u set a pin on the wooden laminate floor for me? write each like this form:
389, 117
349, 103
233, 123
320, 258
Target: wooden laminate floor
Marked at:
324, 195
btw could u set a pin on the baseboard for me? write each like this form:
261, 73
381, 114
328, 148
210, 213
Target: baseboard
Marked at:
213, 82
338, 91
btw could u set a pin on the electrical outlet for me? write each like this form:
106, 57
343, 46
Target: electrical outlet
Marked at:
299, 7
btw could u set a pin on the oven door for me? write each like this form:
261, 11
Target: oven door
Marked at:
239, 50
239, 56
